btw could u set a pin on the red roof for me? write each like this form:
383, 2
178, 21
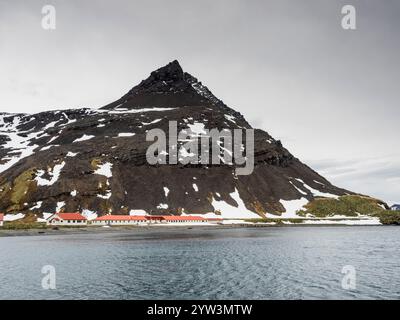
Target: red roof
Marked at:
71, 216
1, 216
183, 218
120, 218
155, 217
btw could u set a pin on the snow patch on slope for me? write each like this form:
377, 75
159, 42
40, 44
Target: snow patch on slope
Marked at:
291, 206
13, 217
54, 174
166, 191
151, 122
231, 212
104, 169
37, 205
83, 138
18, 142
317, 193
89, 214
162, 206
197, 128
137, 212
60, 205
71, 154
126, 134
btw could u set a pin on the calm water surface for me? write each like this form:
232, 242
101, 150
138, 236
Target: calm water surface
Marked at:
237, 263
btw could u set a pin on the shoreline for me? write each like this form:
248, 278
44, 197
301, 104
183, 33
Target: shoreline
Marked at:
143, 229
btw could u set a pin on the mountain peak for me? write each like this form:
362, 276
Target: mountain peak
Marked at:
171, 68
167, 79
171, 71
168, 86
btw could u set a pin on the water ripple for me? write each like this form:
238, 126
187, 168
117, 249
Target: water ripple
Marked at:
259, 263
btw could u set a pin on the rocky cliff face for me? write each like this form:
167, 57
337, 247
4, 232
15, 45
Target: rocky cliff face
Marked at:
94, 160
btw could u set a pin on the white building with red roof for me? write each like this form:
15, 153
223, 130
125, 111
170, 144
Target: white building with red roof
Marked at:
67, 219
149, 219
184, 219
1, 219
119, 220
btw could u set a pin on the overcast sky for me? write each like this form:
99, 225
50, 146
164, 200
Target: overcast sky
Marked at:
331, 95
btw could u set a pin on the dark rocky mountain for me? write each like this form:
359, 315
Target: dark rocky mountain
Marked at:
94, 160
